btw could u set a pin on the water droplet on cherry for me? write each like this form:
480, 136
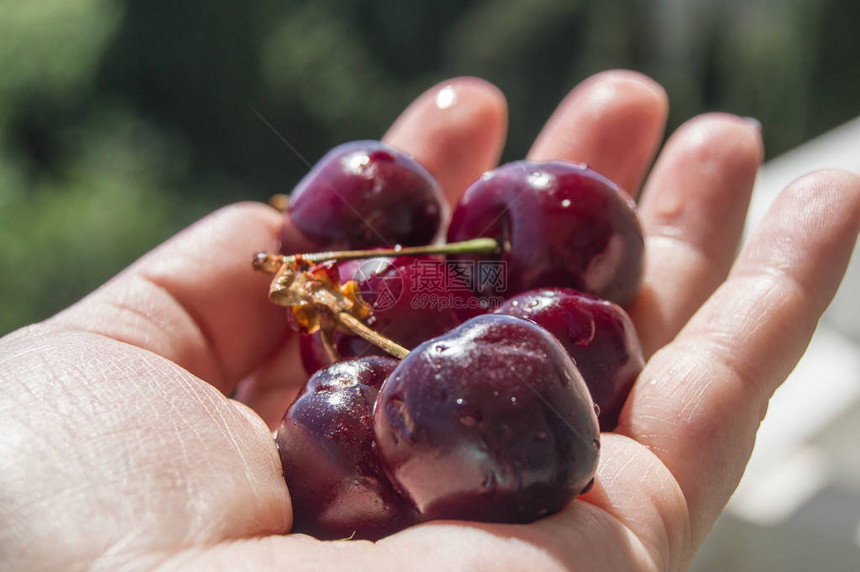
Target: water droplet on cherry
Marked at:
469, 415
539, 180
469, 418
489, 481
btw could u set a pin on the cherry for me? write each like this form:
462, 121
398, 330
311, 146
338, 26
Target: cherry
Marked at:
489, 419
490, 422
596, 333
412, 298
337, 485
565, 225
365, 194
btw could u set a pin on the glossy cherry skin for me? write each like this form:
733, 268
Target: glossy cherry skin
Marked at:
565, 225
337, 486
596, 333
490, 422
412, 298
365, 194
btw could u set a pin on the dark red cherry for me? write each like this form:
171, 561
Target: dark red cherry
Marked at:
337, 485
565, 225
490, 422
596, 333
413, 299
365, 194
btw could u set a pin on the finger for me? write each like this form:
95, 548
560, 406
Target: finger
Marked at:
196, 299
456, 129
272, 387
700, 400
692, 212
588, 541
613, 122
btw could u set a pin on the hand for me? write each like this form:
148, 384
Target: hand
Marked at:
120, 448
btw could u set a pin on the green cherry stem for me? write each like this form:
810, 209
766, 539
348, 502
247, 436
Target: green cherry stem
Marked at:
474, 246
271, 262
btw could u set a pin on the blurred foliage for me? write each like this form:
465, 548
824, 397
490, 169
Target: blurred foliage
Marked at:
121, 121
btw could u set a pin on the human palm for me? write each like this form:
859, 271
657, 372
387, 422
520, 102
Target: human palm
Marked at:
120, 449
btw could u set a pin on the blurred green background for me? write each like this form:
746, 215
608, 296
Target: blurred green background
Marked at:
121, 121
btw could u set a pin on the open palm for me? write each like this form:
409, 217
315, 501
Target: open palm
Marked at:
120, 450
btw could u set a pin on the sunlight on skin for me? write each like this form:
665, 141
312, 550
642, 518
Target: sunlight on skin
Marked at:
134, 461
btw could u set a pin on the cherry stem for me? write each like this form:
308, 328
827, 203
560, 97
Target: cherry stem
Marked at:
358, 328
474, 246
328, 345
270, 262
279, 202
277, 264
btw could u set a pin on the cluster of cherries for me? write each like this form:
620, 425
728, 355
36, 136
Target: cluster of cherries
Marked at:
420, 412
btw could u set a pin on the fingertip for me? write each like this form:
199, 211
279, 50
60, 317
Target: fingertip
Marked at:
823, 209
692, 212
818, 204
838, 186
248, 213
613, 121
470, 88
456, 129
462, 102
638, 87
721, 137
707, 169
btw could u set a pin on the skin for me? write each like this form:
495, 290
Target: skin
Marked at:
121, 450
